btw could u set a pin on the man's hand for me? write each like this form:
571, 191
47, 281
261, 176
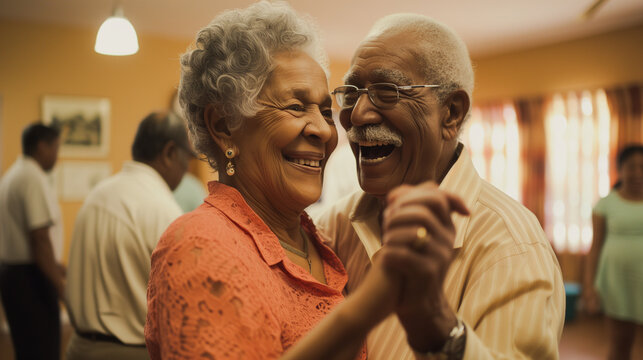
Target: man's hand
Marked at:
419, 236
43, 255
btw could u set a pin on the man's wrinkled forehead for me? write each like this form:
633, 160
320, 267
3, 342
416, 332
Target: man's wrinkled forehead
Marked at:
379, 75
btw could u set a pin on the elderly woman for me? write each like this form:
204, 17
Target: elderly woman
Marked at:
246, 275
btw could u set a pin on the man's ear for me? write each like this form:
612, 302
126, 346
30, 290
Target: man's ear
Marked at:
169, 153
457, 105
218, 128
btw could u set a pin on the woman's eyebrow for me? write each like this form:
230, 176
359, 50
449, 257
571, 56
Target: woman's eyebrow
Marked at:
304, 93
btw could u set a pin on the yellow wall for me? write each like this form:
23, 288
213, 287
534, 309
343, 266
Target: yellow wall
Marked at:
39, 59
604, 60
44, 59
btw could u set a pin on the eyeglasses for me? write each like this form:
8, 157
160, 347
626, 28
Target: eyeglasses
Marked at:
382, 95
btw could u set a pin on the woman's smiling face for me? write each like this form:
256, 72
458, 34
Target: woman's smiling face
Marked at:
284, 148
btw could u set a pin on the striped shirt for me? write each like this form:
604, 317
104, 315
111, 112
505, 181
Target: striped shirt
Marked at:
504, 283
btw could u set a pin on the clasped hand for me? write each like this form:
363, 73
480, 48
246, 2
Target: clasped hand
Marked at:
420, 260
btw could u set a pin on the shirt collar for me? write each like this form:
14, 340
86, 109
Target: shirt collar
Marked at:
27, 160
365, 218
230, 202
146, 170
462, 180
462, 176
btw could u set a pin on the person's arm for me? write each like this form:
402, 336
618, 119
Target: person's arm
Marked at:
590, 296
201, 304
424, 311
39, 213
188, 310
512, 305
43, 255
341, 333
515, 308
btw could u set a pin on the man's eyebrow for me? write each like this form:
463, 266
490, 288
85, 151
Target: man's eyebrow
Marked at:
391, 75
350, 78
380, 75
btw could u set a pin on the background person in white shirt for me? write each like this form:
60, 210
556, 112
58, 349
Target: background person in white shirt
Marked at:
115, 232
31, 277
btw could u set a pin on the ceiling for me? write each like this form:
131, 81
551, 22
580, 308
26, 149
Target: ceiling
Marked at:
488, 27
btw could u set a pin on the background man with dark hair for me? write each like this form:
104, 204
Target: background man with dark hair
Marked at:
31, 278
115, 232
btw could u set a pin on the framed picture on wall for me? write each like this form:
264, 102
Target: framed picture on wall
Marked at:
83, 123
75, 179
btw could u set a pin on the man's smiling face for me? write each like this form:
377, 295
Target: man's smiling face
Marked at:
398, 145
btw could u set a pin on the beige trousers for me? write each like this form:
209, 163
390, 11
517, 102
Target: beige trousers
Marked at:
84, 349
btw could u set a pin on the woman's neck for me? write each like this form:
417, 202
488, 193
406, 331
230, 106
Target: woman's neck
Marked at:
284, 223
634, 194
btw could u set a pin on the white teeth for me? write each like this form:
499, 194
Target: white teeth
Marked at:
372, 160
306, 162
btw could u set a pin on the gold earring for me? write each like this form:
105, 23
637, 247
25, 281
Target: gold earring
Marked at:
229, 168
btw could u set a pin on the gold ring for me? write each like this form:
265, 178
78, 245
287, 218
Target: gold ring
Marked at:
421, 239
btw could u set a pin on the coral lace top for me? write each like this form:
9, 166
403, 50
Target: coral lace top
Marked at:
221, 286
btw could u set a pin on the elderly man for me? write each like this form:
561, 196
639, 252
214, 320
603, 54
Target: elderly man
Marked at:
481, 286
115, 233
31, 277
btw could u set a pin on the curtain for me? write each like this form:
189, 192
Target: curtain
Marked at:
627, 118
533, 150
578, 137
492, 137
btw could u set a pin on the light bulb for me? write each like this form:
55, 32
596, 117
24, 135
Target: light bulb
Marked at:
116, 37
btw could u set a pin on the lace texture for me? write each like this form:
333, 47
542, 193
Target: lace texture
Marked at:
221, 286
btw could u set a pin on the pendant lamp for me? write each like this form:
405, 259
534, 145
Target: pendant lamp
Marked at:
116, 36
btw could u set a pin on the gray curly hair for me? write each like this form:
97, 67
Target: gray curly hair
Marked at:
231, 60
442, 53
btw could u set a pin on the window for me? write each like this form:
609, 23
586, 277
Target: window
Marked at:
491, 134
577, 127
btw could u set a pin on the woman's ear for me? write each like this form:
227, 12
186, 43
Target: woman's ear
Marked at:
218, 128
457, 107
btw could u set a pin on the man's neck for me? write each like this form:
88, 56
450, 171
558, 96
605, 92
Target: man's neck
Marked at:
444, 168
38, 161
157, 165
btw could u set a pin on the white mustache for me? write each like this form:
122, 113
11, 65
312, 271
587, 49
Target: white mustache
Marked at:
374, 133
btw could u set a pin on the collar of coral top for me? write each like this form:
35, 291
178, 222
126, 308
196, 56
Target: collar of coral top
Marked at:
231, 203
462, 180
